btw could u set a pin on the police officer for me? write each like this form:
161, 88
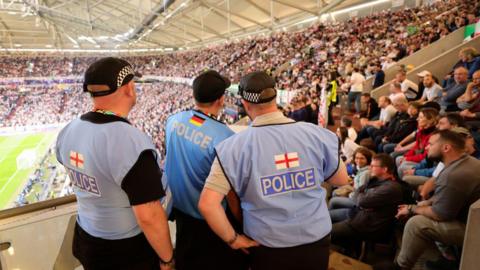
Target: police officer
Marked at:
276, 168
190, 140
113, 166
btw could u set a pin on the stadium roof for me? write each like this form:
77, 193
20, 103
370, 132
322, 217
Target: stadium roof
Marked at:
154, 24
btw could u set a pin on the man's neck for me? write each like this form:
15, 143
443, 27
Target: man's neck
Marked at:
254, 115
385, 177
115, 111
447, 160
208, 111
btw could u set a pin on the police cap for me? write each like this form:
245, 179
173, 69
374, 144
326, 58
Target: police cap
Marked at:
106, 75
209, 86
257, 87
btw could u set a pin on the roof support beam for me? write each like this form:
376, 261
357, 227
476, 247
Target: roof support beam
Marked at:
235, 14
258, 7
186, 31
210, 30
226, 17
295, 6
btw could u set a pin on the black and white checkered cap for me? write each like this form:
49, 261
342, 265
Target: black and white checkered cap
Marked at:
257, 87
111, 73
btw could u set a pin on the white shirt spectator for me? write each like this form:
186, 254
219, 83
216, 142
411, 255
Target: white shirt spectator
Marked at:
387, 113
433, 93
348, 148
356, 81
407, 87
352, 134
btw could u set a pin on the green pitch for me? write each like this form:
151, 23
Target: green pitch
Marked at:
11, 179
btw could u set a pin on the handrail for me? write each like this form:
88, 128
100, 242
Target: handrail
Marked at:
29, 208
418, 58
439, 66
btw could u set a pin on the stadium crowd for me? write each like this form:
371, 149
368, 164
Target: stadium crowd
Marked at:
310, 54
397, 169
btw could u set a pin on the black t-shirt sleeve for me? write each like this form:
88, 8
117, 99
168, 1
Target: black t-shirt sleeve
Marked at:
143, 183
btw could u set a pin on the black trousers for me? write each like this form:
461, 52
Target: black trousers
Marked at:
198, 247
313, 256
124, 254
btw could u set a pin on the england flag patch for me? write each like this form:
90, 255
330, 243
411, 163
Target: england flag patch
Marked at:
76, 159
287, 160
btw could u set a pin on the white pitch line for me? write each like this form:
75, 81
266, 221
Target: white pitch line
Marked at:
8, 181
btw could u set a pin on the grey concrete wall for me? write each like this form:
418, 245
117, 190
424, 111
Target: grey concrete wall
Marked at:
471, 244
424, 55
439, 66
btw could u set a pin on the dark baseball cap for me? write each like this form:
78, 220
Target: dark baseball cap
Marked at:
209, 86
106, 75
257, 87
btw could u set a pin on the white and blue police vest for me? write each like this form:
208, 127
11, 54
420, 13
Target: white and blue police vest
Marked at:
190, 140
97, 158
277, 172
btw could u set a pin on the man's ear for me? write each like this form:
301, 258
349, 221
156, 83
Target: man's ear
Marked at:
130, 89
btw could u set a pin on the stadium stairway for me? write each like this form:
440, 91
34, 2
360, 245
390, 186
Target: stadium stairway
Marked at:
439, 66
418, 58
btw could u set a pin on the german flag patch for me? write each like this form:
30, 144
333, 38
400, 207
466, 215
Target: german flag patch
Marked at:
197, 120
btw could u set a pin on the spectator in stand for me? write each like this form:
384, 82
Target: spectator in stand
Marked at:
409, 88
361, 160
470, 99
432, 92
372, 110
348, 146
378, 75
454, 90
372, 213
401, 105
470, 59
387, 111
396, 91
299, 112
345, 121
357, 83
405, 128
443, 217
427, 121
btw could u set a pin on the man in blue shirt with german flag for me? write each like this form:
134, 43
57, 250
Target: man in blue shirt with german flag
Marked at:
190, 140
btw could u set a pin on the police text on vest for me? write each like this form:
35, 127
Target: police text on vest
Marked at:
288, 181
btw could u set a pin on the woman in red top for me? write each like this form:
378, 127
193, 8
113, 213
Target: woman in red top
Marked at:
427, 120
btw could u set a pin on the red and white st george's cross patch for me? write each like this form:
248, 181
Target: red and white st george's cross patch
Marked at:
76, 159
287, 160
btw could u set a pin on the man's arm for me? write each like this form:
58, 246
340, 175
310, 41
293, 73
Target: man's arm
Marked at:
210, 205
426, 211
340, 178
144, 189
152, 219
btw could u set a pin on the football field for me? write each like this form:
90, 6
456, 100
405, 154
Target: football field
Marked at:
13, 178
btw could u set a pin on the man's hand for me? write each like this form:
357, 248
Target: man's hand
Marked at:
467, 113
473, 84
402, 211
242, 242
363, 122
398, 148
425, 203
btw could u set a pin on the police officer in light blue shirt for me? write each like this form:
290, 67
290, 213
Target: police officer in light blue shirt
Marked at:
114, 169
190, 140
276, 167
